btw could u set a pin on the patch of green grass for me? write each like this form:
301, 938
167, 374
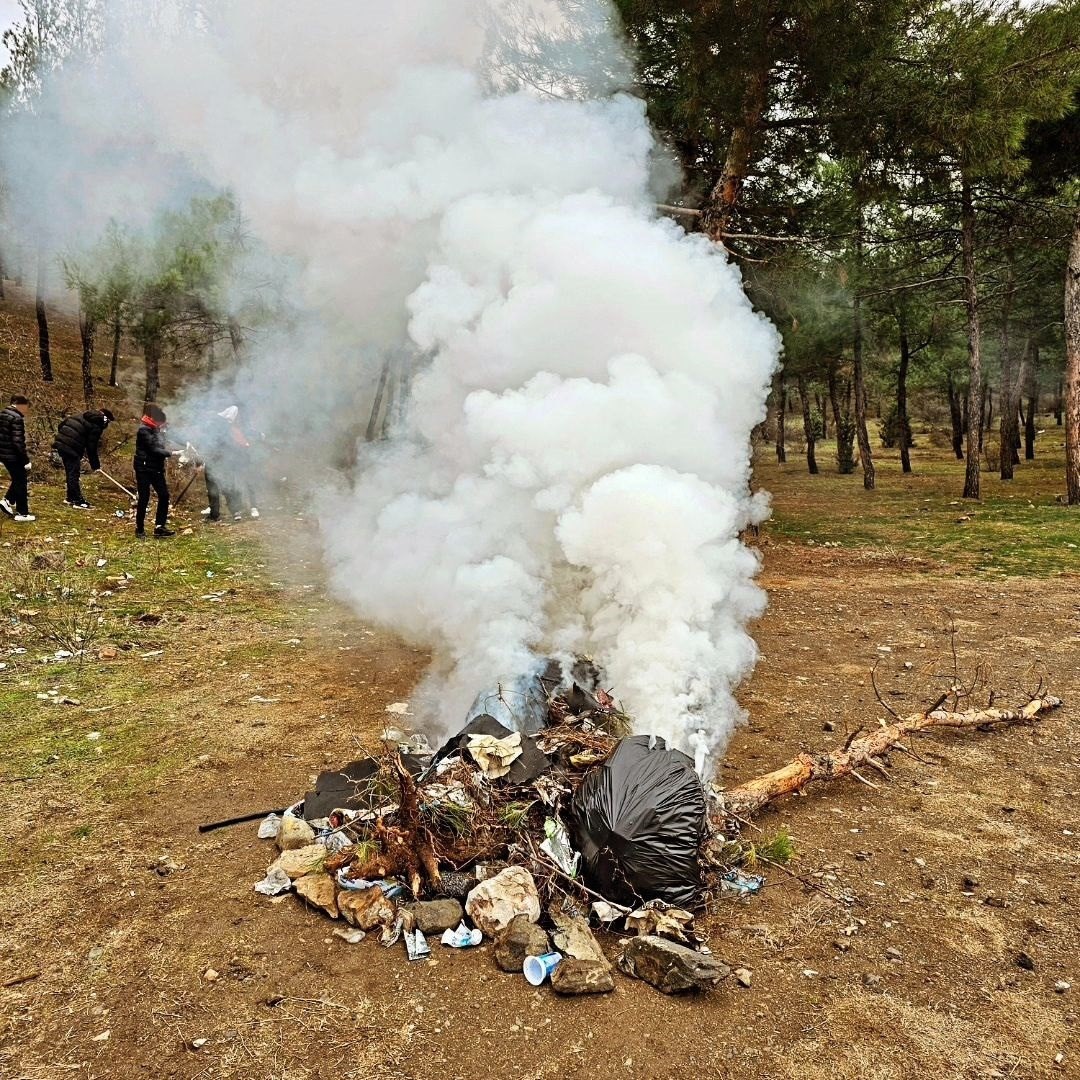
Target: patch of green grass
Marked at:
1018, 527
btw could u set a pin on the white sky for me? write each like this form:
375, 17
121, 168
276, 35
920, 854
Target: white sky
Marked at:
8, 10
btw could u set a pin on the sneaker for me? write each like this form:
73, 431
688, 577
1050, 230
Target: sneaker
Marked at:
7, 508
206, 512
238, 517
78, 506
140, 534
24, 517
254, 511
162, 533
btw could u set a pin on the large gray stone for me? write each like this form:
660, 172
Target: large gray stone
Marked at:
670, 967
582, 977
435, 916
520, 939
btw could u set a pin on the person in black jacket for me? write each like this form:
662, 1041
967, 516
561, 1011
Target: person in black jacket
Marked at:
16, 503
151, 453
76, 436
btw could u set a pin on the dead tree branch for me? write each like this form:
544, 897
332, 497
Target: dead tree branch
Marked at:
747, 799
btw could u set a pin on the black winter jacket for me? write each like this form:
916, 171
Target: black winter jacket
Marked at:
13, 438
151, 450
78, 435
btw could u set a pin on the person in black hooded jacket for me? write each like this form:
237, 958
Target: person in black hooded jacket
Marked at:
15, 459
76, 436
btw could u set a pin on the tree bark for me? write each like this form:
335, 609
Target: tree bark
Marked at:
1072, 368
781, 416
1031, 368
901, 402
152, 350
1009, 430
87, 328
719, 209
115, 351
44, 353
857, 363
971, 305
808, 426
373, 427
236, 338
823, 413
747, 799
956, 415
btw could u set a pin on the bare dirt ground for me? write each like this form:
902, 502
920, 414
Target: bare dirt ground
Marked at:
123, 950
104, 960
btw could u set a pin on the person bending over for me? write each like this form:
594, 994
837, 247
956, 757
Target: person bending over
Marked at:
76, 436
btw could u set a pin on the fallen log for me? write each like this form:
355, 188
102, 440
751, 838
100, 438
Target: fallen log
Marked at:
861, 752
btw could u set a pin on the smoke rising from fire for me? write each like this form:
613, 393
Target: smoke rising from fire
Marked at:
570, 471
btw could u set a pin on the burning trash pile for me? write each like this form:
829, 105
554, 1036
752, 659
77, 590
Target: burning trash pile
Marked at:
539, 817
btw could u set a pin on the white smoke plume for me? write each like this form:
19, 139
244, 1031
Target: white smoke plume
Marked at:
570, 471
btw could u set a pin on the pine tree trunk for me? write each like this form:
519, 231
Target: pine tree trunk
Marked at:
720, 207
1031, 417
1072, 368
862, 433
808, 426
1059, 405
823, 413
975, 376
87, 327
781, 416
152, 350
236, 337
956, 415
901, 402
1010, 384
44, 353
115, 363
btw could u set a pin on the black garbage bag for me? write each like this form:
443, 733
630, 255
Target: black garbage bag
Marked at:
638, 820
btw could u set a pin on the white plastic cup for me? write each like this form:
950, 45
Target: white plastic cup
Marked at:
538, 968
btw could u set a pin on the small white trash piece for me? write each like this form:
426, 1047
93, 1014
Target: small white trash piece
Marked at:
538, 968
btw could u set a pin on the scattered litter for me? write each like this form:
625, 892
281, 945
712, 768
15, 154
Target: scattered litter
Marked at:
198, 1044
416, 945
557, 845
735, 881
462, 937
103, 1037
275, 882
269, 827
258, 699
538, 968
494, 756
93, 736
608, 913
398, 708
661, 920
101, 563
351, 935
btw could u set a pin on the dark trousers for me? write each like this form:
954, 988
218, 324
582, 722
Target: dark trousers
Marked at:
72, 468
215, 490
145, 479
18, 493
